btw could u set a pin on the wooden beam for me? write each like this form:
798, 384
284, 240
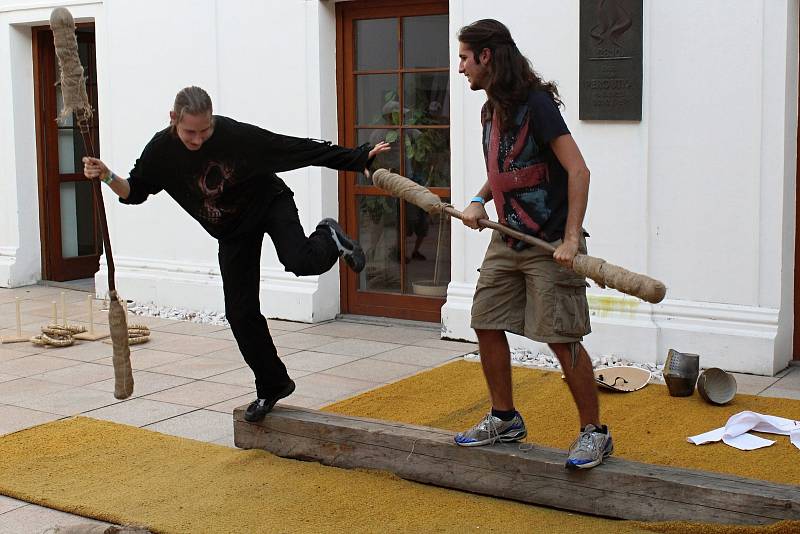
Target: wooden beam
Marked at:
531, 474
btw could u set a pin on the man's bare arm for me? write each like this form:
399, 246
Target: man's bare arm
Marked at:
570, 157
95, 169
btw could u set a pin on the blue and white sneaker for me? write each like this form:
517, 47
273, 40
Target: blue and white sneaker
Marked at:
491, 429
590, 448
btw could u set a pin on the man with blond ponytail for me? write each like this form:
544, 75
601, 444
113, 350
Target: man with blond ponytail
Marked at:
222, 172
539, 183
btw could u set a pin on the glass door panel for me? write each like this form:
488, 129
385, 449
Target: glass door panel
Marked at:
425, 41
427, 156
427, 252
376, 44
379, 237
77, 220
67, 151
376, 95
427, 98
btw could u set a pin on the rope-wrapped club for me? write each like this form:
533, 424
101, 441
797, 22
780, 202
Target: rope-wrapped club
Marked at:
76, 100
603, 273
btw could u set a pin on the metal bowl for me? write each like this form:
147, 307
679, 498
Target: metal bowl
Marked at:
716, 386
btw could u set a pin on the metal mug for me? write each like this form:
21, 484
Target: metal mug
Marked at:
716, 386
680, 372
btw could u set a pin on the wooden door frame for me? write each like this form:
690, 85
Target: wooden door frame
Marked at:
54, 266
379, 304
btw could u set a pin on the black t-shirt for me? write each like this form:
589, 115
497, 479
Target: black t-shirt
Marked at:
228, 183
529, 185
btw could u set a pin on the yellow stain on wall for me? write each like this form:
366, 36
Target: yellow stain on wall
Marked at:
604, 305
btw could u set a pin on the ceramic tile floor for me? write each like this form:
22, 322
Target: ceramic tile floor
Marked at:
190, 377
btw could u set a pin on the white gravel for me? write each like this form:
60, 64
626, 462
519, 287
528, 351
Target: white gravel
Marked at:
526, 358
178, 314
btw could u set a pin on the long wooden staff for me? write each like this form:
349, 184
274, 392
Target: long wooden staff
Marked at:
603, 273
73, 90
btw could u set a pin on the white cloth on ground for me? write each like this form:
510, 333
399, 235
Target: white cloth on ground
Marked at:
735, 431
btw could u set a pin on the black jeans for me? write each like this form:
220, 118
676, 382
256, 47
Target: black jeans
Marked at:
239, 263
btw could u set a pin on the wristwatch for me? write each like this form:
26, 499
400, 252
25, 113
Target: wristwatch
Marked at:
478, 199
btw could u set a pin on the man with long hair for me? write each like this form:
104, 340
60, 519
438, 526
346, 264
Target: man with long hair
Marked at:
222, 173
539, 183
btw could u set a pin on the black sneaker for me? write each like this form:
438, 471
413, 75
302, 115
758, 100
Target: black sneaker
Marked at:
348, 247
259, 408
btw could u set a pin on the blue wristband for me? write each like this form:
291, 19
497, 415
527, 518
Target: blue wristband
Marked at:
478, 199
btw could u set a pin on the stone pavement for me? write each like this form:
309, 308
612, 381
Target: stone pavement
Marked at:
190, 376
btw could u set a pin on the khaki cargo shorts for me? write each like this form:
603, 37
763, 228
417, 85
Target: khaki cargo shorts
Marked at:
529, 294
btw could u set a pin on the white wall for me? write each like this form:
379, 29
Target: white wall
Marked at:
700, 193
726, 252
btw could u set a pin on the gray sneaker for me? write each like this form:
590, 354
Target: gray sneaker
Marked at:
491, 429
590, 448
349, 249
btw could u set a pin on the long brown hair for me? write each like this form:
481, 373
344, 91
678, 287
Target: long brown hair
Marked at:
511, 76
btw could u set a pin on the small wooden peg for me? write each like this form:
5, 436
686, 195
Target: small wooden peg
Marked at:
18, 338
91, 335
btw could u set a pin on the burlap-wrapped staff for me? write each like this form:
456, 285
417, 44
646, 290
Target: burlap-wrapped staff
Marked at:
73, 89
603, 273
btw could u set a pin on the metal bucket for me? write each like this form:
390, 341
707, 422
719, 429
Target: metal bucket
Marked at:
680, 373
716, 386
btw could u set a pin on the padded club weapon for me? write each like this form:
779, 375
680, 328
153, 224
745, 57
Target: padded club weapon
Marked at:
603, 273
73, 89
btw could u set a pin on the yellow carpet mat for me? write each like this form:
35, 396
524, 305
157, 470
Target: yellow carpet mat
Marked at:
648, 425
127, 475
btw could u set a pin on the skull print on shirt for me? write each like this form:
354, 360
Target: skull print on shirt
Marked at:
212, 181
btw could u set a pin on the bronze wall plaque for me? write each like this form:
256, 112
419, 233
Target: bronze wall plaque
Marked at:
610, 60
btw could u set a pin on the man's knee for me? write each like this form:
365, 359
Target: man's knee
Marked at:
568, 352
306, 256
292, 264
299, 265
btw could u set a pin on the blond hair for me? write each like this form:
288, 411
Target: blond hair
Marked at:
192, 100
